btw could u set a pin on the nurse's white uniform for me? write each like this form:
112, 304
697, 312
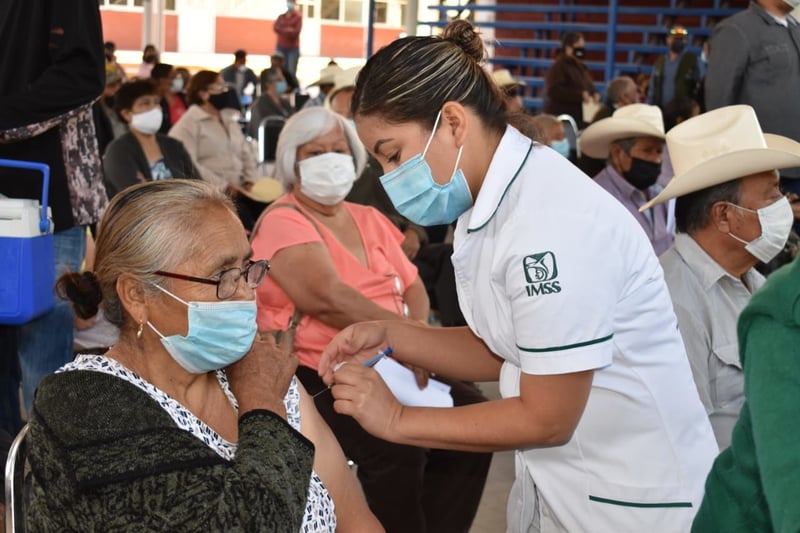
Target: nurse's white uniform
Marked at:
557, 277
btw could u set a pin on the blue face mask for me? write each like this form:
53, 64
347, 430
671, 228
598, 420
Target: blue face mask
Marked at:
220, 333
562, 147
281, 86
419, 198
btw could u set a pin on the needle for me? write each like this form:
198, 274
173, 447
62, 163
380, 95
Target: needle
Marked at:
369, 363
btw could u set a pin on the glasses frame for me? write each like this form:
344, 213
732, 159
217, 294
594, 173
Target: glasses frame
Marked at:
218, 282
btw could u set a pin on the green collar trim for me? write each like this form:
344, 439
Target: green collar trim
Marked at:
567, 346
514, 177
638, 504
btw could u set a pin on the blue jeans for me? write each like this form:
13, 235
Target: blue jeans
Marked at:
45, 343
292, 56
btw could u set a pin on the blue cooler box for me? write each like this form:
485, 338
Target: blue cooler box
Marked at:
27, 262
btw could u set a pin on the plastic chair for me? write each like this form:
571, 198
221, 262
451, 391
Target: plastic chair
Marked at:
571, 133
269, 129
16, 501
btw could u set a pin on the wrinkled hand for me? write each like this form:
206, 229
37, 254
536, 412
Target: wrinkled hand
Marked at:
354, 344
411, 244
361, 393
261, 378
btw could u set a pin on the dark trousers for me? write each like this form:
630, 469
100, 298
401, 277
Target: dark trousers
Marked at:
10, 377
436, 271
409, 489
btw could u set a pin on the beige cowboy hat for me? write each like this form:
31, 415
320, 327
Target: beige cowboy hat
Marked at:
264, 190
346, 79
634, 120
722, 145
327, 76
503, 78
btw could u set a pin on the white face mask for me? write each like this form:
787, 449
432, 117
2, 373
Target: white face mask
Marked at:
776, 222
177, 84
327, 178
148, 122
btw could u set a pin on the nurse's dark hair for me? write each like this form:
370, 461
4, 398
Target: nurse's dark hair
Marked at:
693, 211
411, 79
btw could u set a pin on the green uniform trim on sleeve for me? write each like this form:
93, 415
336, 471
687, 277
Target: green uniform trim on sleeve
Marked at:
567, 346
638, 504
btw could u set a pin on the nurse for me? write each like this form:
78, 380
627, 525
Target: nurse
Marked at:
565, 301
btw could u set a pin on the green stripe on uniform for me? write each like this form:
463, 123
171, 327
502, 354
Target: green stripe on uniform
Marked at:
566, 346
636, 504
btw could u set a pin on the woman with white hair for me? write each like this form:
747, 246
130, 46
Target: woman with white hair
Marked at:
338, 263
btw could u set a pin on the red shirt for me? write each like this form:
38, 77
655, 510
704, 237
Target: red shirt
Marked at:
288, 26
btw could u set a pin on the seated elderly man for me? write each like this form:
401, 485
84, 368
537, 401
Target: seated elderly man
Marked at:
632, 142
730, 214
620, 92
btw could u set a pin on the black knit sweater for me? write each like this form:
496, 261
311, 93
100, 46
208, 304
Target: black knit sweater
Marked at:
106, 457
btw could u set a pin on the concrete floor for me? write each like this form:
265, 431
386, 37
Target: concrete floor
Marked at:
491, 517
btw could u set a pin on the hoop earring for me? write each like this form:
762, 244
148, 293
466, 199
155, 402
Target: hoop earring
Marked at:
140, 330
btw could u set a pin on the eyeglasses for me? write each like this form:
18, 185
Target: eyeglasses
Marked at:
679, 32
228, 280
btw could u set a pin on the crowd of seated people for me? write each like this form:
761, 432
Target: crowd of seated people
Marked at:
326, 263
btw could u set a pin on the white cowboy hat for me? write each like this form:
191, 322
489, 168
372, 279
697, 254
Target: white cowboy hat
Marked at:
722, 145
503, 78
634, 120
346, 79
327, 76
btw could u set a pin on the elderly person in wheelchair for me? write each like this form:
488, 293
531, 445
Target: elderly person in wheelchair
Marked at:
192, 420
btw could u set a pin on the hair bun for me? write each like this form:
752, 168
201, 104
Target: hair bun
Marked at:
83, 290
462, 33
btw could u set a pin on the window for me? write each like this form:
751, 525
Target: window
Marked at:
329, 9
169, 5
352, 11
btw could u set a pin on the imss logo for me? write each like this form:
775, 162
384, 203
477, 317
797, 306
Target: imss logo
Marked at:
541, 272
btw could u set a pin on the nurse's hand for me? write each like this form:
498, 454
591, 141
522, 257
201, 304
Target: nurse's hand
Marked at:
354, 344
361, 393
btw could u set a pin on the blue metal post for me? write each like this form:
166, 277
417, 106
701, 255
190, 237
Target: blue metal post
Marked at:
611, 40
370, 29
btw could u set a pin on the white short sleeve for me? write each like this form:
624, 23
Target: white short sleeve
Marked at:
563, 290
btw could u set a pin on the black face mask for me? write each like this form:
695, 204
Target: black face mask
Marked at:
579, 52
226, 100
642, 174
150, 58
678, 46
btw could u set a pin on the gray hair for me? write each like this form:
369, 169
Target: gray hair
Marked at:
305, 126
693, 211
146, 228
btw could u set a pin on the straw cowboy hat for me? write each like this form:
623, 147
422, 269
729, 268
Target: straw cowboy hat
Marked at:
503, 78
264, 190
634, 120
346, 79
327, 76
722, 145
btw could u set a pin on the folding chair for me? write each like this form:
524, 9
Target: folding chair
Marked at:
571, 133
16, 501
269, 129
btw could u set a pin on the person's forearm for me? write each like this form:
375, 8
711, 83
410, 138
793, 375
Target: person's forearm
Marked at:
452, 352
497, 425
342, 305
419, 306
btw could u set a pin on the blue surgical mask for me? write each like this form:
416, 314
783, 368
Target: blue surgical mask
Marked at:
281, 86
419, 198
220, 333
562, 147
